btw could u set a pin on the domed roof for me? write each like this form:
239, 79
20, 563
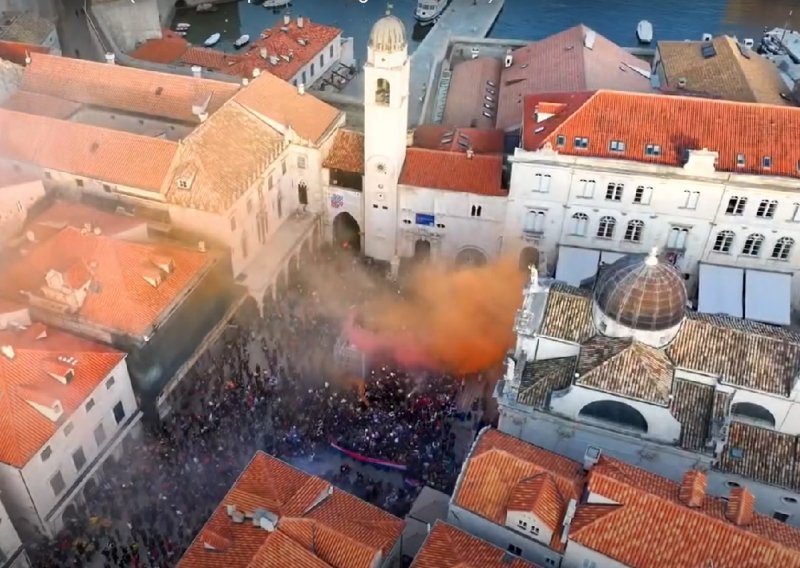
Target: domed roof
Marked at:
388, 34
642, 293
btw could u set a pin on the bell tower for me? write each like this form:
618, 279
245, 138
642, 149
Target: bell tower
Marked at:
386, 91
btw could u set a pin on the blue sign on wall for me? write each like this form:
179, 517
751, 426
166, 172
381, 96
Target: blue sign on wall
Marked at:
425, 219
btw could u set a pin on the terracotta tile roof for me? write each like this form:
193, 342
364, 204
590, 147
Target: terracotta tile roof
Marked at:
676, 124
219, 159
16, 52
347, 152
86, 151
652, 527
562, 63
119, 298
288, 44
43, 105
438, 137
743, 353
77, 215
317, 525
161, 50
7, 306
498, 465
470, 89
543, 376
125, 88
761, 453
448, 547
734, 72
692, 407
627, 368
24, 430
212, 59
437, 169
279, 101
568, 314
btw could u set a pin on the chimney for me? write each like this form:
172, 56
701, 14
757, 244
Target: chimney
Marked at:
301, 89
739, 509
300, 21
286, 19
245, 81
110, 58
256, 72
27, 58
8, 351
591, 457
203, 116
197, 71
509, 59
470, 153
693, 488
263, 52
201, 246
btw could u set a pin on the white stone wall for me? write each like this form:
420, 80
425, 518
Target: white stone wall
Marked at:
10, 542
15, 201
129, 23
579, 556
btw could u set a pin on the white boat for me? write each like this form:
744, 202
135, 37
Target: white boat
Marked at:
212, 39
644, 31
242, 41
275, 4
182, 26
429, 10
181, 32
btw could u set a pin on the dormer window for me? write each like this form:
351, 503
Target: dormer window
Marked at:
561, 140
652, 150
581, 142
740, 160
616, 146
766, 162
522, 524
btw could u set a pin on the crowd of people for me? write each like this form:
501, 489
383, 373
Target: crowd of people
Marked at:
267, 385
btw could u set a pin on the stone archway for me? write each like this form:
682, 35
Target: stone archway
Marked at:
422, 250
529, 256
470, 256
615, 413
346, 232
69, 516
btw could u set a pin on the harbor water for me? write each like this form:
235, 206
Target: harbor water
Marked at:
520, 19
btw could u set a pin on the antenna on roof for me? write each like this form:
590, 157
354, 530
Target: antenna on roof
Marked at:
652, 258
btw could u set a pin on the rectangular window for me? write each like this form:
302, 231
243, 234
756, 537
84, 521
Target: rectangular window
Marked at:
614, 191
48, 175
616, 146
331, 51
586, 188
740, 161
233, 223
301, 162
269, 181
475, 211
561, 140
677, 238
321, 60
541, 183
580, 223
119, 412
581, 142
691, 198
766, 209
522, 524
514, 549
110, 383
46, 453
312, 69
736, 205
535, 530
304, 77
642, 195
89, 404
534, 222
79, 459
779, 516
79, 182
57, 484
106, 188
283, 167
68, 428
766, 162
652, 150
99, 435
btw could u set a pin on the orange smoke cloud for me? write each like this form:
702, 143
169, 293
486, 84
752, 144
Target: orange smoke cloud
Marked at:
463, 318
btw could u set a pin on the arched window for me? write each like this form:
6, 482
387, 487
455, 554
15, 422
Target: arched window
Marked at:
753, 414
783, 248
383, 92
633, 232
752, 245
302, 193
605, 230
615, 413
580, 221
724, 241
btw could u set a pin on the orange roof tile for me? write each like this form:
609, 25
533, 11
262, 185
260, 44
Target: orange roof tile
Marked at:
16, 51
124, 88
563, 63
119, 299
347, 152
438, 169
161, 50
7, 306
219, 158
438, 137
43, 105
318, 526
471, 99
280, 102
23, 429
86, 151
676, 124
211, 59
652, 527
73, 214
284, 42
448, 547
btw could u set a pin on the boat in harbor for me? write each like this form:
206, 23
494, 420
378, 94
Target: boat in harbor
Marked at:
242, 41
429, 10
182, 26
275, 4
206, 7
644, 32
212, 39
